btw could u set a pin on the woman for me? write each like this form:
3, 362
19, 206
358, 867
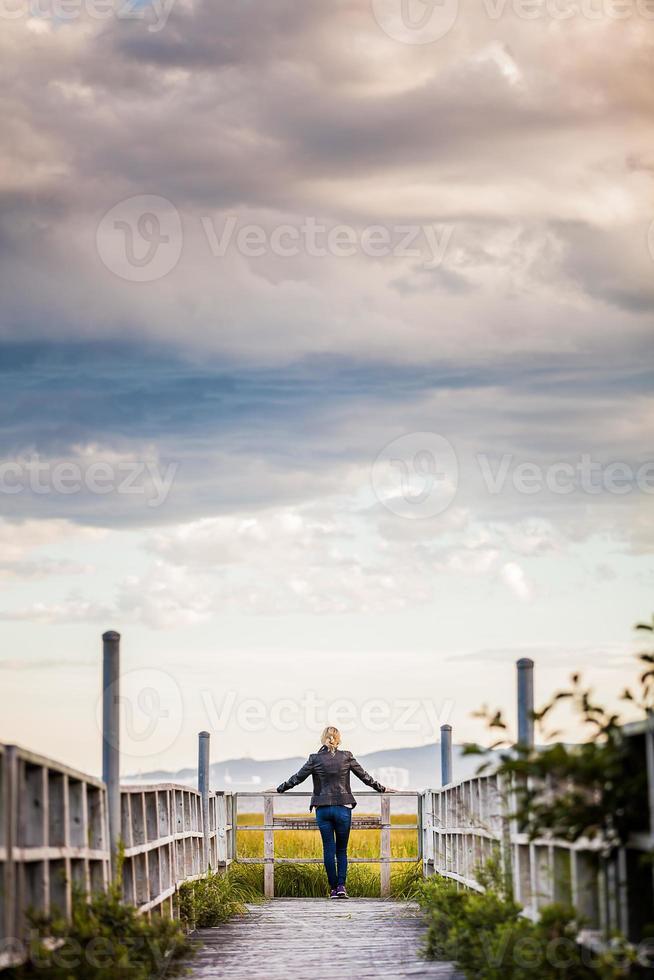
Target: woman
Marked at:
333, 800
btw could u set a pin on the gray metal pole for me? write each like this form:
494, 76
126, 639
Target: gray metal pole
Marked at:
446, 754
526, 702
204, 751
111, 734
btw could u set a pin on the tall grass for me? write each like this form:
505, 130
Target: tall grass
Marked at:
215, 898
309, 880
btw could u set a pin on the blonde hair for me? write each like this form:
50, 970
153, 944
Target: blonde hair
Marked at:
331, 737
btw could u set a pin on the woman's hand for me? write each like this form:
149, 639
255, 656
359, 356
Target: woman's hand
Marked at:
389, 789
273, 789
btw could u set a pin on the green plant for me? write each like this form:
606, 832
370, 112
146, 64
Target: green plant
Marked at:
460, 922
104, 940
309, 880
593, 789
487, 937
216, 897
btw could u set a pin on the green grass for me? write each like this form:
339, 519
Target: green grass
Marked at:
215, 898
308, 880
104, 940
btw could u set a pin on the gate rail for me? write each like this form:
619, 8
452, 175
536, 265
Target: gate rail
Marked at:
272, 824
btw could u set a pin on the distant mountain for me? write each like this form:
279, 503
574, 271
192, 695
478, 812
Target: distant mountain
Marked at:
411, 768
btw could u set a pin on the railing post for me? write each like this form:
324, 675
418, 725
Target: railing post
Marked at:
204, 748
10, 884
446, 755
111, 735
385, 854
526, 702
268, 847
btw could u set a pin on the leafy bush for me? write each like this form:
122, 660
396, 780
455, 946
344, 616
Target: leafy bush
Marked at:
486, 936
593, 789
310, 881
104, 940
215, 898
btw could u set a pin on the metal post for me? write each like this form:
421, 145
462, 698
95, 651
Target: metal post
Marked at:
111, 735
446, 754
204, 749
10, 882
526, 702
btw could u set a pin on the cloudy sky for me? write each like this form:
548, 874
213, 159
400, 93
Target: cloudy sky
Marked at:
326, 342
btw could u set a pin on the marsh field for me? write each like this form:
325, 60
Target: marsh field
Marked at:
306, 880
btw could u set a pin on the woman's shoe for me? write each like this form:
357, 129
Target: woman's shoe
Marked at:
341, 892
333, 893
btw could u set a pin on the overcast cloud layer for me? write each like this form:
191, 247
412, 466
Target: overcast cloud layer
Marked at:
357, 239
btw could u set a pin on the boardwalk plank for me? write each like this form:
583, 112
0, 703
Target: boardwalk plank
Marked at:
305, 939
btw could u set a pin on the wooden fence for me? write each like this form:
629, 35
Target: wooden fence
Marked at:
273, 824
165, 843
61, 829
466, 823
54, 837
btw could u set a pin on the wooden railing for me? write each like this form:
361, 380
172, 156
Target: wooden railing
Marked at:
466, 823
54, 837
272, 824
165, 842
61, 829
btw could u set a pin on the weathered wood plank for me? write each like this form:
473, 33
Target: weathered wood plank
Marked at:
302, 939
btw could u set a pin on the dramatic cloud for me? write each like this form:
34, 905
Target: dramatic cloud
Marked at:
248, 250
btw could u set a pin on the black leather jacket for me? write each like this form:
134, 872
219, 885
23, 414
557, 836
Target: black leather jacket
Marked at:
331, 778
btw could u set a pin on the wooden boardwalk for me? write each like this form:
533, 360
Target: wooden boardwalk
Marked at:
307, 939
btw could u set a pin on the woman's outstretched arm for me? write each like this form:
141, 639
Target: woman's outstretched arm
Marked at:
298, 778
364, 776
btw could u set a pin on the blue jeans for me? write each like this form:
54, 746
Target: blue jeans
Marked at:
334, 823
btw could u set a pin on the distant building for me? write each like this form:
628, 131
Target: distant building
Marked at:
392, 776
252, 781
